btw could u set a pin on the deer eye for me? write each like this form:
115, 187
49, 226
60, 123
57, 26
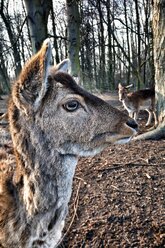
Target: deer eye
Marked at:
71, 106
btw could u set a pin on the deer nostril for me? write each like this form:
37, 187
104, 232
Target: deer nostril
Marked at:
132, 123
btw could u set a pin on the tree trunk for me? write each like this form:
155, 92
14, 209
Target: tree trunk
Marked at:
159, 55
13, 40
94, 56
73, 36
128, 42
88, 58
110, 76
4, 78
138, 40
102, 46
57, 57
38, 12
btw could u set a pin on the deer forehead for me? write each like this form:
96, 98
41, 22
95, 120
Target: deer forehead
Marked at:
60, 93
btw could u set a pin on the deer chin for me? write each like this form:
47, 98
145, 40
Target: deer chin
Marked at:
120, 139
80, 151
96, 145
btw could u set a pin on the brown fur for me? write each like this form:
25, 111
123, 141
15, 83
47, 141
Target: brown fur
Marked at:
37, 162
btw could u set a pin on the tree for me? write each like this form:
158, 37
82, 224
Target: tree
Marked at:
128, 42
38, 12
4, 79
55, 35
73, 35
12, 36
138, 38
112, 39
159, 58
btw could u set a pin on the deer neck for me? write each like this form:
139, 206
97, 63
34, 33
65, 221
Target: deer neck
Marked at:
46, 175
127, 103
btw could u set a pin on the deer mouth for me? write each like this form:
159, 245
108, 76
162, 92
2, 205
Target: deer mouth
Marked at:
112, 138
119, 139
123, 141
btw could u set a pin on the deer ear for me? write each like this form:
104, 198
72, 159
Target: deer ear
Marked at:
32, 83
129, 86
63, 66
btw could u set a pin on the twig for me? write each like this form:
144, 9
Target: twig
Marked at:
79, 178
124, 191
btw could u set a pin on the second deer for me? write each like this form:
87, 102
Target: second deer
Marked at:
133, 102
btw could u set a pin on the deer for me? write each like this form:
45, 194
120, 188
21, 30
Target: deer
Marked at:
133, 102
52, 122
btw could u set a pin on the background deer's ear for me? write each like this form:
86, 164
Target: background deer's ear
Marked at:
129, 86
32, 84
63, 66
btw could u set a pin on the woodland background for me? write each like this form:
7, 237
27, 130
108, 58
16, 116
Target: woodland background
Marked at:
110, 40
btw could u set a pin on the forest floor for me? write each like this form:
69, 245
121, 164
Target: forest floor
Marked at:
118, 198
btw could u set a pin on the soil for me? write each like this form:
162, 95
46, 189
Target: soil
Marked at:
118, 198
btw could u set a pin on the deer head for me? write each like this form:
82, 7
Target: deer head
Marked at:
76, 122
123, 91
